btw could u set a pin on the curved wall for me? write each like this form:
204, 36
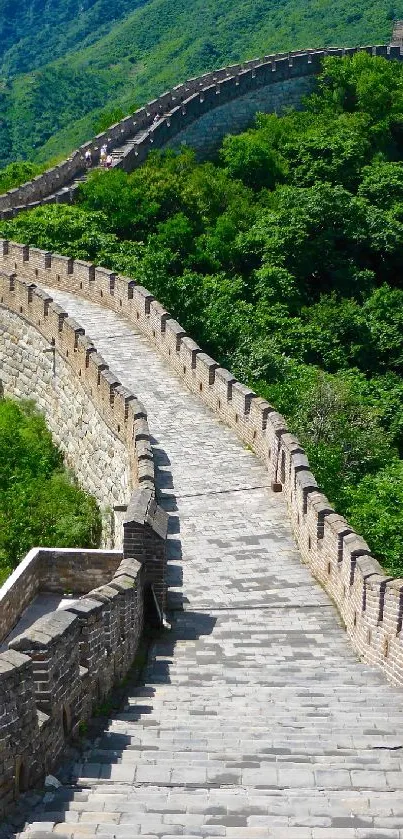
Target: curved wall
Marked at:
133, 137
371, 604
100, 426
205, 134
99, 460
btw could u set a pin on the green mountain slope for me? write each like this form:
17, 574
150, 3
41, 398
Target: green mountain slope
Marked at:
35, 32
49, 111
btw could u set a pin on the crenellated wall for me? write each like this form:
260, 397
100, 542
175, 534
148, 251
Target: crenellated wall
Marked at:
370, 604
57, 671
46, 356
58, 570
103, 465
247, 84
206, 133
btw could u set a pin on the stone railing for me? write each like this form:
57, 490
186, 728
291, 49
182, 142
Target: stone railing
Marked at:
176, 109
370, 603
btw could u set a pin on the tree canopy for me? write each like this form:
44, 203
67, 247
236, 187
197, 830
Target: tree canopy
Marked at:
283, 258
40, 502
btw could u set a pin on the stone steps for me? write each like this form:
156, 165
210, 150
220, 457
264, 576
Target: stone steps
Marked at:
162, 812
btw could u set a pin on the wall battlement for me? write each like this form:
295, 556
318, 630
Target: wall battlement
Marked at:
132, 138
369, 602
56, 672
121, 411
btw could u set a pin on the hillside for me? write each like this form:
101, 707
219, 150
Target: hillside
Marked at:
34, 32
284, 260
105, 66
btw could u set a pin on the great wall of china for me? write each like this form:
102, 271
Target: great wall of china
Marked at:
56, 670
199, 112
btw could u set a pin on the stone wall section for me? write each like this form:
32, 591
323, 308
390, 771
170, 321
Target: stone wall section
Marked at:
101, 428
57, 570
205, 134
370, 603
100, 461
132, 138
56, 672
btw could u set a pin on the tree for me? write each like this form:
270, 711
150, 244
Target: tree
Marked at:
375, 507
250, 159
40, 502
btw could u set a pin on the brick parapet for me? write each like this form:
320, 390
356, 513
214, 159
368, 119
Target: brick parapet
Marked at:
72, 657
177, 108
123, 414
370, 604
58, 670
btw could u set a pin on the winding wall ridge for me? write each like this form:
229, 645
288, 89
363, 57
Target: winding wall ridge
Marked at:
178, 108
370, 603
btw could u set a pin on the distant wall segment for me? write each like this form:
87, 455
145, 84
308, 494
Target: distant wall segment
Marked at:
205, 134
370, 603
268, 83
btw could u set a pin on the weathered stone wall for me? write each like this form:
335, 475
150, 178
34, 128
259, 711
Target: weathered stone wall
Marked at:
56, 672
99, 460
206, 134
177, 109
60, 570
370, 603
101, 428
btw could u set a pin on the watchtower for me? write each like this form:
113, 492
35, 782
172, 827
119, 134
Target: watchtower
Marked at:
397, 34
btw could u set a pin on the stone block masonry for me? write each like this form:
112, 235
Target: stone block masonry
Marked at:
100, 460
205, 134
370, 604
101, 428
62, 666
55, 672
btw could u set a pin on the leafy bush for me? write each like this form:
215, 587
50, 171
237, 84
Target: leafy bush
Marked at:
17, 173
40, 503
374, 507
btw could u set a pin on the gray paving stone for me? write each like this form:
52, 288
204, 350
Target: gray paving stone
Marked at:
254, 718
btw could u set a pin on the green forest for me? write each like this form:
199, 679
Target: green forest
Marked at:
68, 64
283, 258
40, 503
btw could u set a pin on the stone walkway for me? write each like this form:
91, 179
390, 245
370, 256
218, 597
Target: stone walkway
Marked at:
255, 718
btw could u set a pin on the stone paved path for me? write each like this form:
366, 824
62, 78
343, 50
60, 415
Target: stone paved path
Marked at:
255, 718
